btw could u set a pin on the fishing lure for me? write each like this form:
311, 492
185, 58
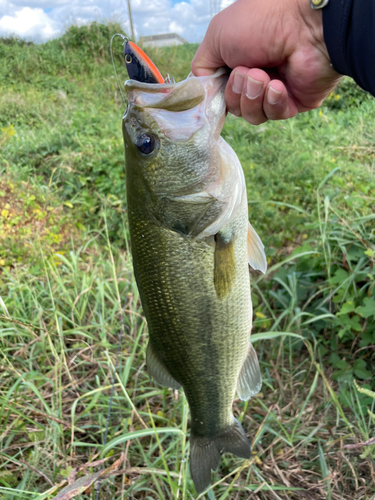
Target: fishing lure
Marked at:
140, 67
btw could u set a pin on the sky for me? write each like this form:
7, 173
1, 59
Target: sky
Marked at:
40, 20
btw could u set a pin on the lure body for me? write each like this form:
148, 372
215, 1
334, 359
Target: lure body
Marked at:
139, 65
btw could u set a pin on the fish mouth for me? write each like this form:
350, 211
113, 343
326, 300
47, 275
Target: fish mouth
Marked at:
160, 87
181, 109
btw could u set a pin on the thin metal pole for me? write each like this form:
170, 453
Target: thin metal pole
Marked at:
215, 7
131, 21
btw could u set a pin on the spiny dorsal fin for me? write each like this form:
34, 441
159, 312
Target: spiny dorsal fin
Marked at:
250, 380
255, 251
158, 371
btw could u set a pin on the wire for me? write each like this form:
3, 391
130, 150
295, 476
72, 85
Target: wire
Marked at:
124, 39
121, 332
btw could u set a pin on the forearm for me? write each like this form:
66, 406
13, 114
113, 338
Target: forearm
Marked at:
349, 34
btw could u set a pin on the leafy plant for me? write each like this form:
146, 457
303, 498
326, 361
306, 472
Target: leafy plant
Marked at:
346, 94
369, 447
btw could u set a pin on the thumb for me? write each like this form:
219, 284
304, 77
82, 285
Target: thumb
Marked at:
208, 58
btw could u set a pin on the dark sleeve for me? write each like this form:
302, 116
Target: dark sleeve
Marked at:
349, 33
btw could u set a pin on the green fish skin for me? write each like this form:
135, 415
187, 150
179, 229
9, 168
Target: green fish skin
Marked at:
191, 244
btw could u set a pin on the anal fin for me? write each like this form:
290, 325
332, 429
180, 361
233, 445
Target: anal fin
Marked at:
158, 371
250, 380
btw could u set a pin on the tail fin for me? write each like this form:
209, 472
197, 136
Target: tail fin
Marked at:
205, 453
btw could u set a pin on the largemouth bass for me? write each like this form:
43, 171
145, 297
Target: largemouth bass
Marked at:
191, 244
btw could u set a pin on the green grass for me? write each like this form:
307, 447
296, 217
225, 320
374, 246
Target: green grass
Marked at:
66, 273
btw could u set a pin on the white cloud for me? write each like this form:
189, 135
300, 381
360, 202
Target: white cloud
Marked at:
42, 4
225, 3
26, 18
175, 28
28, 22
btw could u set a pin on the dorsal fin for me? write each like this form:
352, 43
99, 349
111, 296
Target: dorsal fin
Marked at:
255, 251
250, 380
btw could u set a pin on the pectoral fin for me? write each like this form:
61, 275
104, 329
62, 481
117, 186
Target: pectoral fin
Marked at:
224, 265
158, 371
255, 251
250, 380
182, 214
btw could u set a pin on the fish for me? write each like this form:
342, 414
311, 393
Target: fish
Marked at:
192, 244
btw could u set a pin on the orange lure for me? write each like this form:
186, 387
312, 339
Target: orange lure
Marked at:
139, 65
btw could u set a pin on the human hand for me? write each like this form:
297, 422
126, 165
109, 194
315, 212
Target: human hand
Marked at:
277, 52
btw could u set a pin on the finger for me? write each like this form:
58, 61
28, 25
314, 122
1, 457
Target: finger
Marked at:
244, 94
277, 104
233, 90
253, 96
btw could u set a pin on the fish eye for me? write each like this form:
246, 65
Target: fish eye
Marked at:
128, 58
146, 143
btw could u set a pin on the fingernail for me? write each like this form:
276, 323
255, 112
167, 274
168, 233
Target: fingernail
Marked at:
253, 88
273, 96
238, 83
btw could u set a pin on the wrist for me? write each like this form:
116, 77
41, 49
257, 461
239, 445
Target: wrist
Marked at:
313, 19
